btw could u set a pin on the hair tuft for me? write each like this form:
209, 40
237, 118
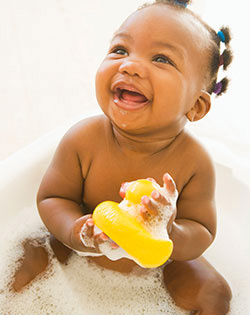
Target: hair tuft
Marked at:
225, 83
227, 56
227, 33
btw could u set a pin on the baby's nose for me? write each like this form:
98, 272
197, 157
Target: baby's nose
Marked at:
133, 68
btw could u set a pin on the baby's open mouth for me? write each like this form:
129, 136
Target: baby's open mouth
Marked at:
130, 96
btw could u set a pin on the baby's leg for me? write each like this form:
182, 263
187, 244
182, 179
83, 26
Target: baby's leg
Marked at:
35, 260
196, 285
61, 251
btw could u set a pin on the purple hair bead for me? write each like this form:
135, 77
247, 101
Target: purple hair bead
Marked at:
217, 88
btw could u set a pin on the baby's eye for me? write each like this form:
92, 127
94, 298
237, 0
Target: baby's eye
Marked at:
163, 59
119, 51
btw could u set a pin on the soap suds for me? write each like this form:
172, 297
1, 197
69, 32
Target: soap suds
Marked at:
78, 288
156, 226
105, 247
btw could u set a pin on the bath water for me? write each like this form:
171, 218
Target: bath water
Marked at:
79, 287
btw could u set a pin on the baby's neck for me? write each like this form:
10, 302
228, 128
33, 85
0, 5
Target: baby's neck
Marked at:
143, 143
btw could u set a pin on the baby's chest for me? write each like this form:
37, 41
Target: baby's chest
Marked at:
107, 173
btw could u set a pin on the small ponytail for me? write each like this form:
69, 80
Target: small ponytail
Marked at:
224, 60
220, 87
224, 35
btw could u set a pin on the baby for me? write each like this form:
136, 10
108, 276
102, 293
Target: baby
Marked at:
158, 74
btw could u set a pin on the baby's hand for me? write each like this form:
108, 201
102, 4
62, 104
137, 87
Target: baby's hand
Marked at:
150, 205
85, 236
166, 198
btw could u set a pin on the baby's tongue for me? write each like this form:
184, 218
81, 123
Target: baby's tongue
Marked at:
133, 96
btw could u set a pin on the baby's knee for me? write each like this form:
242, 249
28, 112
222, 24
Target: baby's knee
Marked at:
196, 285
214, 297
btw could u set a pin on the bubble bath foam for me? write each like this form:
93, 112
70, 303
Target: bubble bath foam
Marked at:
79, 287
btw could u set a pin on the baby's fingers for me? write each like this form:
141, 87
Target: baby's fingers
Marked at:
148, 204
79, 223
114, 245
169, 184
149, 207
144, 213
158, 197
89, 227
100, 238
123, 189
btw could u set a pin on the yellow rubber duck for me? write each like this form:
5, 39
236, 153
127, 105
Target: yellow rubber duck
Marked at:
128, 232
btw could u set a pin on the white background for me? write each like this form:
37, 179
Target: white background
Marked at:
50, 50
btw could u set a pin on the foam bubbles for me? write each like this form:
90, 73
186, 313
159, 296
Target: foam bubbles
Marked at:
105, 247
78, 288
156, 225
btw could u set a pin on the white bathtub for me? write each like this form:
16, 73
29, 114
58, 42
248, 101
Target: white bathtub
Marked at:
20, 176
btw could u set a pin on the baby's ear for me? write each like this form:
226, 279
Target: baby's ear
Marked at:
200, 108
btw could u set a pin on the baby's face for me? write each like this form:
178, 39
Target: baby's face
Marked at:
152, 74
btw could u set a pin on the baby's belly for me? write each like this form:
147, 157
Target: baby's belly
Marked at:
122, 265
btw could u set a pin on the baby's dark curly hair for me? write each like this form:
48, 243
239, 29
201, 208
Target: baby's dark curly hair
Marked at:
214, 46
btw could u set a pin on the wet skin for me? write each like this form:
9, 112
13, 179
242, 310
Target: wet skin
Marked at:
138, 138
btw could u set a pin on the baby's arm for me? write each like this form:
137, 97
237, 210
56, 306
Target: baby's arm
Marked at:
60, 195
194, 227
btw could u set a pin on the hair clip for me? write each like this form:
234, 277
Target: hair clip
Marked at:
181, 3
221, 36
218, 87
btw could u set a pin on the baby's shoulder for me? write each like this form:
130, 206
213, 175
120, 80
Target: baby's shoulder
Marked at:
86, 130
198, 156
93, 124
